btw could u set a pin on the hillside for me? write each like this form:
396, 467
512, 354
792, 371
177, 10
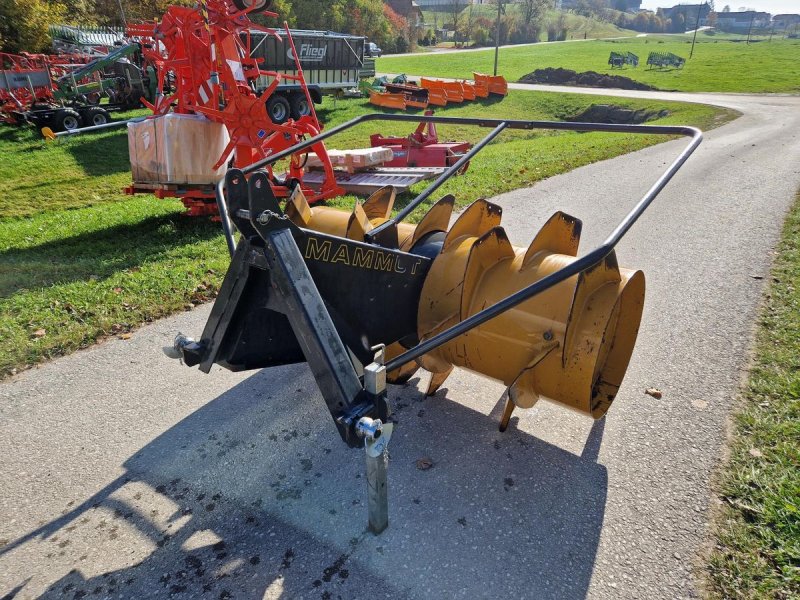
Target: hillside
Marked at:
578, 26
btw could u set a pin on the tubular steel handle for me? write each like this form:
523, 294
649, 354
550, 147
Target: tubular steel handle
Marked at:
585, 262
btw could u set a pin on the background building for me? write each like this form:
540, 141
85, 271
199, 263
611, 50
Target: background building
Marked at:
689, 12
785, 21
410, 9
741, 21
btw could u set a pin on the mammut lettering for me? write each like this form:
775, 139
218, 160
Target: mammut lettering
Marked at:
358, 256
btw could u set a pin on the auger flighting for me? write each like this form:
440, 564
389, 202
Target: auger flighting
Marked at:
568, 344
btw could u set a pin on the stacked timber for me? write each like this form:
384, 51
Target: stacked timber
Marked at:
354, 160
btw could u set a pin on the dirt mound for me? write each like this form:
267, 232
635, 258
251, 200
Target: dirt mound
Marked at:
610, 113
559, 76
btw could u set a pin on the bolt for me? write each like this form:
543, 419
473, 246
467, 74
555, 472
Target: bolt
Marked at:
370, 429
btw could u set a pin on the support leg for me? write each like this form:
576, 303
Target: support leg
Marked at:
376, 437
377, 493
506, 414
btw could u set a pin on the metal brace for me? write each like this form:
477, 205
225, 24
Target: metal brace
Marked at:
376, 436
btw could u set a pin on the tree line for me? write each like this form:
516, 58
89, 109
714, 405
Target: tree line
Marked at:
24, 24
527, 21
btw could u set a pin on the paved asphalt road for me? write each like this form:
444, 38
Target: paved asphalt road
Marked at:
126, 475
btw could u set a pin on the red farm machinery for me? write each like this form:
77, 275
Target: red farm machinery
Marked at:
64, 92
421, 148
208, 113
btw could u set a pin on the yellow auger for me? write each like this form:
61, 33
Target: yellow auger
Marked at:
365, 298
570, 344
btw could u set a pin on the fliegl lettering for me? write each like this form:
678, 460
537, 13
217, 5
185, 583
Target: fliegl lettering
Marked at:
358, 256
309, 52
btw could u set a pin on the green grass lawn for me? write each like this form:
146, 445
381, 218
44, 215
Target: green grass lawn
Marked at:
757, 550
79, 260
718, 65
37, 176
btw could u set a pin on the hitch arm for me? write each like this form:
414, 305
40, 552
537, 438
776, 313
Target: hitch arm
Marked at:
300, 300
302, 304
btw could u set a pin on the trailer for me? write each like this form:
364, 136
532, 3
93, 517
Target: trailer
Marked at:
332, 62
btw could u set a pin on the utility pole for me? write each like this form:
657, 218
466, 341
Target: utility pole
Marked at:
696, 26
750, 28
122, 12
497, 35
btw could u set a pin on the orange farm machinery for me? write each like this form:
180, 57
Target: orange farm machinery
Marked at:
365, 297
402, 94
203, 57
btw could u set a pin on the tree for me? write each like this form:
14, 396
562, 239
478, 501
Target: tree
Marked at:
469, 22
563, 26
726, 8
80, 12
557, 30
482, 31
679, 23
361, 17
24, 24
107, 12
399, 36
533, 10
533, 14
641, 22
465, 30
582, 8
508, 30
454, 8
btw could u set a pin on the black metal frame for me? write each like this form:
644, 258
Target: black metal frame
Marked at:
269, 260
498, 125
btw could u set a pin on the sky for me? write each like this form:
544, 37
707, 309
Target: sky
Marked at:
775, 7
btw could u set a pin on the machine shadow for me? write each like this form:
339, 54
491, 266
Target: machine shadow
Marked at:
98, 155
16, 133
121, 247
255, 496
